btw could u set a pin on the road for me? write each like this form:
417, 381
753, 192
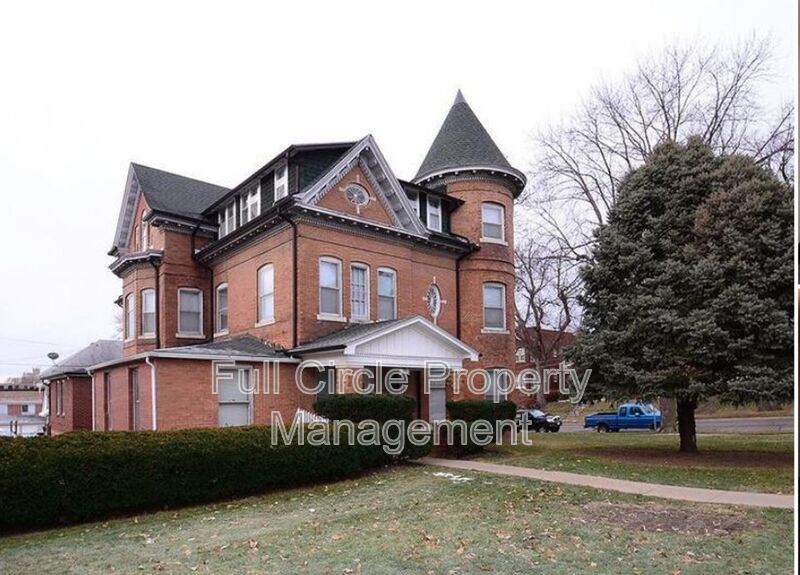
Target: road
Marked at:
726, 425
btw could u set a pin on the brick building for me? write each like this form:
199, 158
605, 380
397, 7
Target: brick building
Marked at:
68, 386
322, 254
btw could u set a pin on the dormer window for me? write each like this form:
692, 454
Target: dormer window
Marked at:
145, 236
434, 214
281, 182
414, 197
227, 220
250, 206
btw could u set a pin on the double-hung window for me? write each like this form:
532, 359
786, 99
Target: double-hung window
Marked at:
145, 236
250, 206
414, 198
281, 182
222, 309
266, 294
190, 312
494, 306
387, 294
330, 287
148, 312
493, 218
136, 404
359, 291
130, 317
434, 213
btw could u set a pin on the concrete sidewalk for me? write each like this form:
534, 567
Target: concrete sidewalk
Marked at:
696, 494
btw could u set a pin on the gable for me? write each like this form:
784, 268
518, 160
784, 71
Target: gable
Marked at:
387, 189
415, 340
336, 198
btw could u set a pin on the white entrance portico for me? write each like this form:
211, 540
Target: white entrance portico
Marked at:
413, 344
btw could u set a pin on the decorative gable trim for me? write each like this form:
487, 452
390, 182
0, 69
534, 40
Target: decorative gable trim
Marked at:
387, 188
126, 211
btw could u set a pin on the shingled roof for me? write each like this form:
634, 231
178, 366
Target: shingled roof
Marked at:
340, 338
174, 194
463, 143
78, 363
241, 346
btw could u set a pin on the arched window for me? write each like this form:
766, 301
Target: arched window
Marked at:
494, 306
130, 317
148, 312
221, 322
266, 294
330, 287
493, 223
387, 293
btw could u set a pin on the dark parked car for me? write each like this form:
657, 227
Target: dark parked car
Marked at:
538, 420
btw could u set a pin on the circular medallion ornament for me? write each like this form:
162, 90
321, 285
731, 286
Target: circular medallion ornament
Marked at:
433, 300
357, 195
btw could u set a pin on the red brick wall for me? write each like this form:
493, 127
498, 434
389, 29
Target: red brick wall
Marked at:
186, 398
77, 405
335, 199
491, 263
240, 272
415, 269
121, 409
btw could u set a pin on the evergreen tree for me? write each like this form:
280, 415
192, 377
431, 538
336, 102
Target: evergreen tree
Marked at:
688, 293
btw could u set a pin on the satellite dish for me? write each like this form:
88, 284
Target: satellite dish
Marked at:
52, 355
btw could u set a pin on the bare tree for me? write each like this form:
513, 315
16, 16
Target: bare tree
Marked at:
684, 91
546, 292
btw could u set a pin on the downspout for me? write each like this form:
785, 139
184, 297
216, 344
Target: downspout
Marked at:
152, 365
292, 223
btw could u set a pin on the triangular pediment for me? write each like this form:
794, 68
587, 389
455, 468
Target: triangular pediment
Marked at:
366, 159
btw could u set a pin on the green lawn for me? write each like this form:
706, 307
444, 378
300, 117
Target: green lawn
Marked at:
751, 462
409, 520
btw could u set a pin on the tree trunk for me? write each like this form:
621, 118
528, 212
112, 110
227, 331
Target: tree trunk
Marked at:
686, 424
669, 417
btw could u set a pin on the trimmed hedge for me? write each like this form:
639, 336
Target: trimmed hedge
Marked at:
471, 410
46, 481
357, 407
474, 409
379, 407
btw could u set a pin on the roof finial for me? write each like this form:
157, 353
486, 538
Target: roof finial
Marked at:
459, 99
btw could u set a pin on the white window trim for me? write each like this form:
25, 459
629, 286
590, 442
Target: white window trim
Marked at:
393, 272
438, 211
353, 317
148, 334
323, 315
281, 176
129, 310
189, 334
217, 331
262, 321
502, 240
496, 330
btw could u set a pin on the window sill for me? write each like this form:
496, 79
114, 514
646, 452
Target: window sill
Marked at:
331, 317
495, 331
150, 336
360, 320
128, 340
494, 241
220, 333
190, 336
264, 322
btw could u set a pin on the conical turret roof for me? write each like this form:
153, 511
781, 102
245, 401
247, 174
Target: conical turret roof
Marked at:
463, 143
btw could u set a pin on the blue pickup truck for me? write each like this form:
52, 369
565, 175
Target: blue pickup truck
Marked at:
628, 416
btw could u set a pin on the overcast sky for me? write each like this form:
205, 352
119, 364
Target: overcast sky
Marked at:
213, 93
